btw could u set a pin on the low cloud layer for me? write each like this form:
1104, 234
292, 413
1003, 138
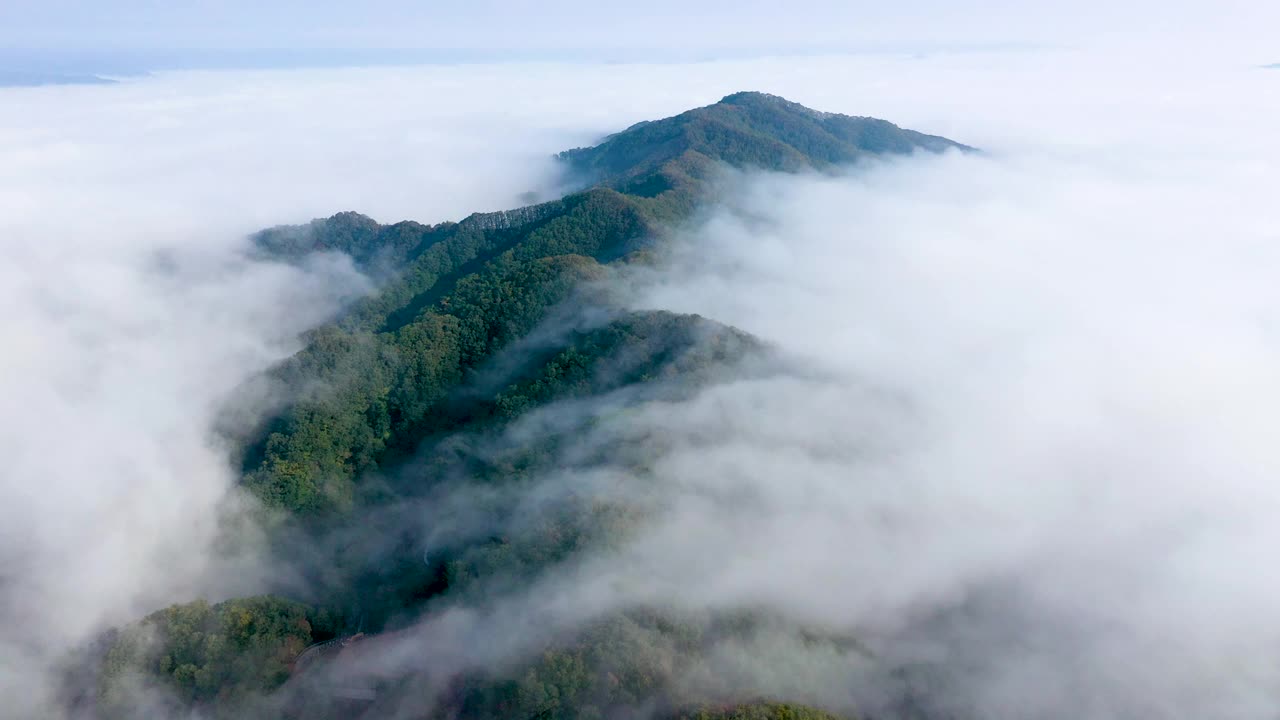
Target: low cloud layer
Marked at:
1022, 452
1038, 381
131, 313
1062, 491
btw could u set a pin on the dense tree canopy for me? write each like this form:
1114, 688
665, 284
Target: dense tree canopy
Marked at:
757, 711
205, 653
476, 325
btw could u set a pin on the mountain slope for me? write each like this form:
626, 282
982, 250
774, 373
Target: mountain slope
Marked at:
462, 291
746, 129
651, 158
479, 325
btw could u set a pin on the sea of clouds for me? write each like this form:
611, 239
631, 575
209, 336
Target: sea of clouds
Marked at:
1079, 329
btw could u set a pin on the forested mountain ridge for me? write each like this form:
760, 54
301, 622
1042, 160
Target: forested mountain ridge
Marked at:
474, 326
745, 129
461, 291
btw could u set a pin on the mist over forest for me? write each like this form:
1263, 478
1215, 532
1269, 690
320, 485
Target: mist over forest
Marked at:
877, 386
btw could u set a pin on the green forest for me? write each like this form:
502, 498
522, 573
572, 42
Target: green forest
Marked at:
478, 328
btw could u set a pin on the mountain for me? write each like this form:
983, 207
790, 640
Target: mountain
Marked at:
477, 326
745, 129
456, 293
20, 78
667, 159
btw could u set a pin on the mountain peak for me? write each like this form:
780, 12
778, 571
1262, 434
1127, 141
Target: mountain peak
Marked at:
744, 129
743, 97
764, 99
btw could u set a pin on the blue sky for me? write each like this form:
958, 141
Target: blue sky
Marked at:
478, 23
707, 25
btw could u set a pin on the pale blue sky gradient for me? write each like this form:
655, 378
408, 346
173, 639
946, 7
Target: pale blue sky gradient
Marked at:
677, 25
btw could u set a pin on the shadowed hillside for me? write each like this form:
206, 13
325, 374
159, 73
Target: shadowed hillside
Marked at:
407, 397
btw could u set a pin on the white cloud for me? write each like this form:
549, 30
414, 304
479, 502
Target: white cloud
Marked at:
1071, 440
130, 315
1082, 322
1039, 452
1037, 458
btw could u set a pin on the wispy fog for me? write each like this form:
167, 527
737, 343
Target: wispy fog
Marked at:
1061, 496
130, 312
1021, 447
1030, 449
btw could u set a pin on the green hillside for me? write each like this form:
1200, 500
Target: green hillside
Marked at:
746, 129
476, 325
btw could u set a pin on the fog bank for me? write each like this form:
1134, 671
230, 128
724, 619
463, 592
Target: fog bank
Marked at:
1040, 376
